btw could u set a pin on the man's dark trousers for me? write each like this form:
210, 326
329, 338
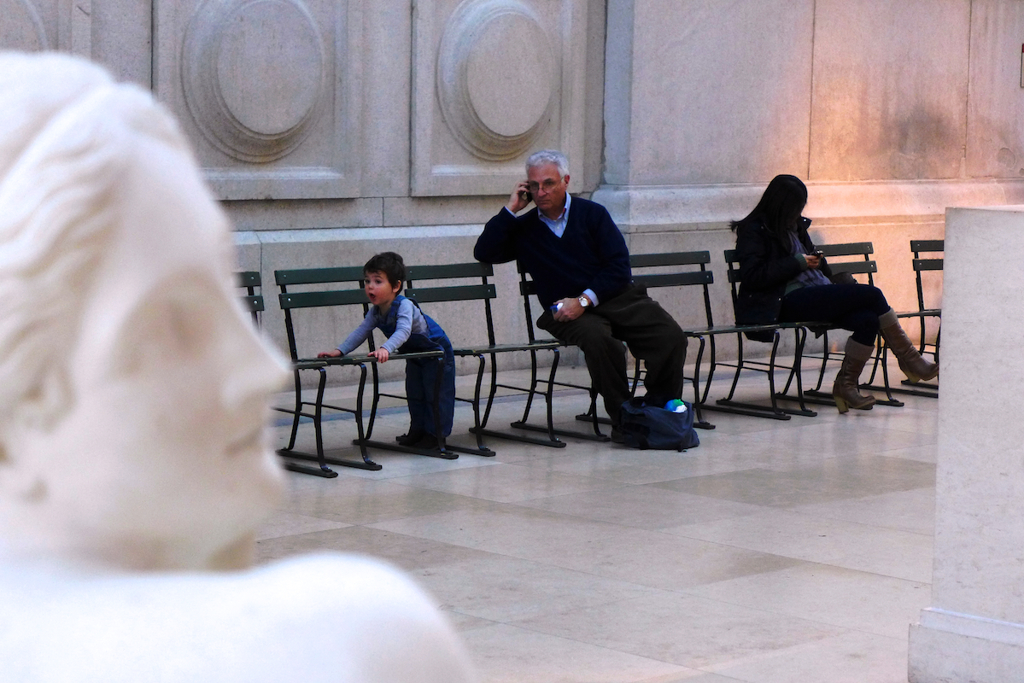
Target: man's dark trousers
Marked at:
651, 335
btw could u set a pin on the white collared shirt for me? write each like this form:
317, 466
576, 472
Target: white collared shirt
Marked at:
557, 225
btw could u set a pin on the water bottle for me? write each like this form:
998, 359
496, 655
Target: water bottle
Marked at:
675, 406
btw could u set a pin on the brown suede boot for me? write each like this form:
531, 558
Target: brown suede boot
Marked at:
844, 390
911, 363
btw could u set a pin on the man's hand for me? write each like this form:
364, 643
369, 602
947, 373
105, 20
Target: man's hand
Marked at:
813, 261
570, 310
329, 354
518, 201
380, 354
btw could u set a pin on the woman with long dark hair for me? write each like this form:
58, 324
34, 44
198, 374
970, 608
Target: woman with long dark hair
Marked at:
783, 278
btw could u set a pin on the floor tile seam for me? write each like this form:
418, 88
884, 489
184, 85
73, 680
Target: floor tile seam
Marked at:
689, 592
793, 512
885, 454
626, 525
369, 525
590, 520
555, 563
345, 525
858, 524
847, 629
548, 634
596, 605
490, 622
649, 591
617, 486
705, 668
789, 557
875, 526
785, 652
825, 566
322, 518
411, 485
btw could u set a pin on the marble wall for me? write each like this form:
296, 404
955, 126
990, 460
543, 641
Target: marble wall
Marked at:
338, 126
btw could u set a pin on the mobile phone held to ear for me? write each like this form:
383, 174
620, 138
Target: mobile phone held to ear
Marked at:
526, 196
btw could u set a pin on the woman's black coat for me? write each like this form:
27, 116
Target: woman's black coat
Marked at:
766, 266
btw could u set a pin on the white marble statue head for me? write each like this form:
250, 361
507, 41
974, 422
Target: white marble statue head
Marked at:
132, 387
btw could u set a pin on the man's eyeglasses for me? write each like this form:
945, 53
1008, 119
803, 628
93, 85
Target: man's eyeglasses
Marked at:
547, 186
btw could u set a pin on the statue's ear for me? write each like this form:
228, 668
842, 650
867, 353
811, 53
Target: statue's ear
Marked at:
38, 412
18, 480
43, 404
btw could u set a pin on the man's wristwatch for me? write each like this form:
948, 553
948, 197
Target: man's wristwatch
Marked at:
584, 301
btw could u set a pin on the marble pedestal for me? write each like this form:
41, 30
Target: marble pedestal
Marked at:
974, 630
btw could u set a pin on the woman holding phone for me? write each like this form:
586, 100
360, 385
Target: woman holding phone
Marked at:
785, 279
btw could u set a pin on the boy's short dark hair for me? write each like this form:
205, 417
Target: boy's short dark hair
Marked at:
389, 263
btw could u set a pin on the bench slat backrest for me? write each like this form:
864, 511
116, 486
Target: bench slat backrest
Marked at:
931, 263
313, 276
344, 297
349, 280
425, 295
445, 284
687, 268
252, 302
864, 266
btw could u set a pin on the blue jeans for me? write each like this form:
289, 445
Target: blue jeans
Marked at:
420, 378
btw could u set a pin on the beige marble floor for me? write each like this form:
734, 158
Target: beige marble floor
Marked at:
776, 552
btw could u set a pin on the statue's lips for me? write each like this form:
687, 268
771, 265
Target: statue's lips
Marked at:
252, 440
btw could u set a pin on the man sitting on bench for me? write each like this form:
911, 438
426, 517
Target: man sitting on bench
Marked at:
580, 264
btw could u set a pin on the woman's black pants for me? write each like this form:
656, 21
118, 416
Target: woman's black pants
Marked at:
851, 307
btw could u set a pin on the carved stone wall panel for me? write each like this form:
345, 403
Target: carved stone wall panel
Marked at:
34, 25
22, 27
995, 114
493, 80
268, 90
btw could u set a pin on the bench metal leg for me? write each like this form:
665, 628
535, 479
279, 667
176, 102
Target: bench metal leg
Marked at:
317, 416
552, 441
440, 451
775, 412
480, 449
700, 422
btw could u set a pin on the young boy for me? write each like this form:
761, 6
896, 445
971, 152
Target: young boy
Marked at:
408, 330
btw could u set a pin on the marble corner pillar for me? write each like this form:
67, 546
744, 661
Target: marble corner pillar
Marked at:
974, 630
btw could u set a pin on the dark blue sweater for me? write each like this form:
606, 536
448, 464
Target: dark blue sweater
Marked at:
590, 254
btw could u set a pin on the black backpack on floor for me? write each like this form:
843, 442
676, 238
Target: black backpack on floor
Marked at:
646, 426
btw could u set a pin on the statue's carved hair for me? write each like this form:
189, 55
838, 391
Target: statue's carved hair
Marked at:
66, 135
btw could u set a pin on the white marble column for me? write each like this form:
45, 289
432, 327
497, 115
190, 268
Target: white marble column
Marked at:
974, 630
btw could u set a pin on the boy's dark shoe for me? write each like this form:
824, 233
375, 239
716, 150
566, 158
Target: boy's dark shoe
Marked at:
412, 438
428, 441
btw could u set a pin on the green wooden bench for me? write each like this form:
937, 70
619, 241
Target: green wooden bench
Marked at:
453, 286
333, 288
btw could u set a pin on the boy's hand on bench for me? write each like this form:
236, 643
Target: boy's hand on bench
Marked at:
381, 355
329, 354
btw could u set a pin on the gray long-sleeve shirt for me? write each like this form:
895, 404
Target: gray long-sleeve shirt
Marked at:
410, 321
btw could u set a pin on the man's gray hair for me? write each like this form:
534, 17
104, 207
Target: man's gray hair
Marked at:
549, 156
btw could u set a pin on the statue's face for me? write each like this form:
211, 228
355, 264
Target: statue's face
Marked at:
161, 461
